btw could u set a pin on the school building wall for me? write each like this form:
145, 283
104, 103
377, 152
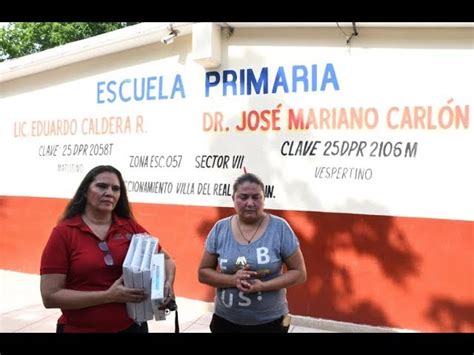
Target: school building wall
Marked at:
388, 243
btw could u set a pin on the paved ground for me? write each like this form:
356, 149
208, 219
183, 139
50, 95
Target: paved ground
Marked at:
22, 311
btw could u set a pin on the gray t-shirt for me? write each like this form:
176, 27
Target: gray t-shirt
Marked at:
265, 256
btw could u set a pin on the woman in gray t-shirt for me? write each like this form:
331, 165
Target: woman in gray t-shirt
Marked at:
243, 259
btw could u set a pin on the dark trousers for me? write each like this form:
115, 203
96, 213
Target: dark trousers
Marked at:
134, 328
221, 325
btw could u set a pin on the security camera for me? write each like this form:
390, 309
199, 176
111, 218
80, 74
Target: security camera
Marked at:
169, 38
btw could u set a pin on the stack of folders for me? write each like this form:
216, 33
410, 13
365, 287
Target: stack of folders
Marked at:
141, 262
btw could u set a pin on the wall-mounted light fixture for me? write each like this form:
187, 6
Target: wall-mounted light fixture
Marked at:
169, 38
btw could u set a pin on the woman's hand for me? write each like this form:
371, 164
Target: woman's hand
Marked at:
119, 293
243, 278
253, 285
168, 292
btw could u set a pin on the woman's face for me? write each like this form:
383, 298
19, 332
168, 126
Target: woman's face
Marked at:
249, 201
103, 193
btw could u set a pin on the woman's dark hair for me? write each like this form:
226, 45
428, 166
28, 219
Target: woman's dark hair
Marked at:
78, 203
247, 177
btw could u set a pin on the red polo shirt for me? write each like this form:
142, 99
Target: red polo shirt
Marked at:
72, 249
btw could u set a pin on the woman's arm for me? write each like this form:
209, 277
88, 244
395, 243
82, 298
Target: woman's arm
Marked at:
170, 271
55, 295
295, 275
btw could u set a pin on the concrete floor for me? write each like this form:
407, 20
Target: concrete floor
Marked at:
22, 311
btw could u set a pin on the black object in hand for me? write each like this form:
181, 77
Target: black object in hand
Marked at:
171, 305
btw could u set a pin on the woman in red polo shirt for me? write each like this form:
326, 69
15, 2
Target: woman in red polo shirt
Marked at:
81, 265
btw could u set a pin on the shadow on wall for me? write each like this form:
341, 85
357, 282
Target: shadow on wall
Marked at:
451, 315
205, 227
329, 290
330, 286
329, 283
333, 287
